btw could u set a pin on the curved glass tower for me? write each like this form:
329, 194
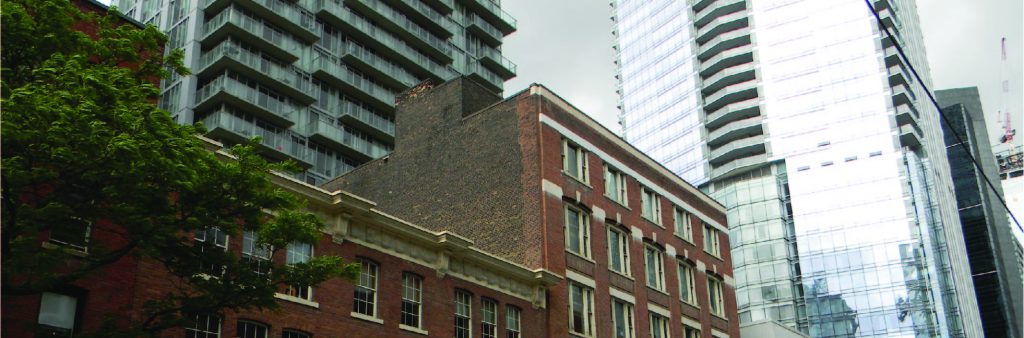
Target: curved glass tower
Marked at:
801, 117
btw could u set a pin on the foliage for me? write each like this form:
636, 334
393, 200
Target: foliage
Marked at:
86, 149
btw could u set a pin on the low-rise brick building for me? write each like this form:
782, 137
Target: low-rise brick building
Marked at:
535, 181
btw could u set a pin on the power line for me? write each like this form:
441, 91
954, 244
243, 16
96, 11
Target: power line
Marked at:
899, 49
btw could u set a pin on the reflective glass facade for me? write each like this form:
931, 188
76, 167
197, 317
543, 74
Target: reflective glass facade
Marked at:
317, 79
813, 132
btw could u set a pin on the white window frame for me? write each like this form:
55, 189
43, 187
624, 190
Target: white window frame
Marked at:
687, 284
711, 240
412, 293
650, 205
629, 315
653, 255
199, 329
58, 314
488, 318
690, 332
622, 245
258, 256
205, 236
86, 234
659, 329
615, 187
464, 309
255, 325
716, 303
292, 333
369, 280
683, 224
586, 295
583, 233
580, 165
513, 318
293, 255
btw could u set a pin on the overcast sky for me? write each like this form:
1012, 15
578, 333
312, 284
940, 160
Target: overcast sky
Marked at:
566, 46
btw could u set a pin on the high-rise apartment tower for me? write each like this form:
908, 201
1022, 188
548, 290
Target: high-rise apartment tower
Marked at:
317, 79
802, 118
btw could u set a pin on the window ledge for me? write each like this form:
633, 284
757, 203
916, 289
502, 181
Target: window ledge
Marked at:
66, 249
622, 274
652, 222
577, 179
688, 241
413, 329
719, 316
358, 315
621, 204
712, 255
297, 300
691, 304
580, 256
651, 288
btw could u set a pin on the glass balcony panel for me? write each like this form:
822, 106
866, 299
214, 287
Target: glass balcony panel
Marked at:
423, 38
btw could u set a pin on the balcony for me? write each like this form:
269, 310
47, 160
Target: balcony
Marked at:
906, 114
734, 130
724, 42
726, 59
737, 148
730, 94
742, 73
427, 16
488, 78
388, 73
444, 6
892, 57
279, 145
910, 135
345, 142
492, 58
230, 55
717, 9
399, 24
739, 165
327, 69
485, 31
285, 15
722, 24
251, 100
492, 12
232, 22
897, 76
733, 112
902, 95
359, 115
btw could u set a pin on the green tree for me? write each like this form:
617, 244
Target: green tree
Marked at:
89, 160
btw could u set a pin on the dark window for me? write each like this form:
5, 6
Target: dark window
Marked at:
203, 326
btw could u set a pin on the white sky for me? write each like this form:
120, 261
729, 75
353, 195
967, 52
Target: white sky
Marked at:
566, 46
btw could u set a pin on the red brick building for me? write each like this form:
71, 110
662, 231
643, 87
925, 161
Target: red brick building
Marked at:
535, 181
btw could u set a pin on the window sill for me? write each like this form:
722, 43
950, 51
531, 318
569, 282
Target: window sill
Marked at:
580, 256
69, 250
719, 316
652, 222
577, 179
297, 300
651, 288
690, 304
714, 256
687, 241
413, 329
622, 274
620, 203
361, 316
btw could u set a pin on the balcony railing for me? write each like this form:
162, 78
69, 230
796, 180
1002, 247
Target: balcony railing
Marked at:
282, 141
337, 134
496, 82
270, 37
280, 110
286, 15
282, 74
431, 15
382, 65
329, 66
335, 106
493, 11
487, 31
427, 39
501, 65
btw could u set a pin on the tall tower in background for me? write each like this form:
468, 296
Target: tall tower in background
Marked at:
804, 120
317, 79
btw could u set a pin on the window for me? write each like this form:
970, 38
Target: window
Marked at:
203, 326
366, 290
489, 319
581, 310
690, 332
622, 319
463, 313
574, 161
412, 297
257, 255
615, 185
682, 223
295, 334
659, 326
711, 241
57, 315
715, 297
298, 253
72, 232
650, 207
208, 242
247, 329
577, 231
654, 267
512, 329
687, 291
618, 251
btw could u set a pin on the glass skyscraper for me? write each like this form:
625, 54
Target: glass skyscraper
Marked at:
801, 117
317, 79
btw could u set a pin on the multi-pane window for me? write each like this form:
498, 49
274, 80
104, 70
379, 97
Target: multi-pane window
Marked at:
365, 302
72, 232
512, 326
209, 242
659, 326
574, 161
715, 300
615, 185
711, 241
622, 319
690, 332
618, 251
256, 254
654, 267
489, 319
295, 334
683, 227
577, 231
57, 314
687, 288
463, 314
247, 329
412, 299
650, 206
298, 253
203, 326
581, 310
